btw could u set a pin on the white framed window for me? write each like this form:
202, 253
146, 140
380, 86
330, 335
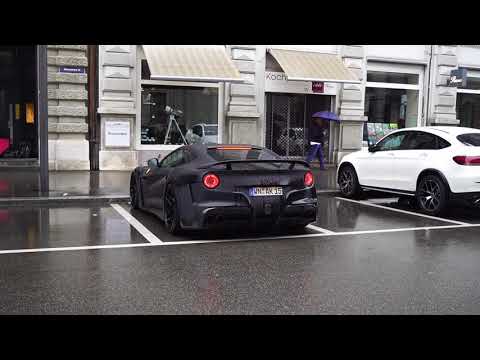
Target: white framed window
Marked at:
473, 83
393, 98
202, 105
468, 101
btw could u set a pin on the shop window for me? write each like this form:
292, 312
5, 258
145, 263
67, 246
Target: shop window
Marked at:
473, 83
392, 101
468, 110
391, 77
388, 110
198, 122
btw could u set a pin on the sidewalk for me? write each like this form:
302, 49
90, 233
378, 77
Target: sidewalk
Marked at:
24, 184
21, 185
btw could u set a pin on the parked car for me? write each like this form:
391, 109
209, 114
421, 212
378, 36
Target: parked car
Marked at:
429, 164
203, 187
203, 134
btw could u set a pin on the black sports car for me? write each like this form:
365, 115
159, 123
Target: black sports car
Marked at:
202, 187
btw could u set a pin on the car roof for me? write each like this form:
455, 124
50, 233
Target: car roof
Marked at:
446, 131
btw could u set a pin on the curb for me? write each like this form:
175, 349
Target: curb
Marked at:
62, 200
328, 191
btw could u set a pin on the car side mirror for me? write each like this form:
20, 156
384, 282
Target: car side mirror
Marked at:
372, 148
153, 163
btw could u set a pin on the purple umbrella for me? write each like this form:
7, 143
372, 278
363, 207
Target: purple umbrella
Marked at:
327, 115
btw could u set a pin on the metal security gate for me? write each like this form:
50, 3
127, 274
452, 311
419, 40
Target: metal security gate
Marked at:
286, 123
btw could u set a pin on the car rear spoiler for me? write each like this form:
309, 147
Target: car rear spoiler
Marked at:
228, 163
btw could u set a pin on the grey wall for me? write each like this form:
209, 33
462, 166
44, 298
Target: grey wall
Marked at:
67, 109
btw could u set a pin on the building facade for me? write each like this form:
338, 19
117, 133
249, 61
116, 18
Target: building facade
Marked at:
106, 103
398, 86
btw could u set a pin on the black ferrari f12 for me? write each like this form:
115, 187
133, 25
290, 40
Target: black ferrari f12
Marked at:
203, 187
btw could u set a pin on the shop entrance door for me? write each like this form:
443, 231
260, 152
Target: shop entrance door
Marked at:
288, 120
18, 120
286, 124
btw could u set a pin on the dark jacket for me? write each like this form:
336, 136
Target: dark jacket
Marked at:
316, 134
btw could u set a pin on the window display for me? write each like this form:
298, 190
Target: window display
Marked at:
388, 110
468, 110
195, 115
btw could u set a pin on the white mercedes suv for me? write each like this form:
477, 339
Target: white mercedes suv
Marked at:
430, 164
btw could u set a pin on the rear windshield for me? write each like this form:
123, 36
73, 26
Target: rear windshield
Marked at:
248, 154
470, 139
211, 130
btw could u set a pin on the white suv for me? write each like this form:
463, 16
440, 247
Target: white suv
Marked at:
432, 164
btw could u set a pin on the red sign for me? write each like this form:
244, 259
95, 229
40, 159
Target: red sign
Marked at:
317, 87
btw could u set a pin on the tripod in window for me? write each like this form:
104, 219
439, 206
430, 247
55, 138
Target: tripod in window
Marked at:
172, 121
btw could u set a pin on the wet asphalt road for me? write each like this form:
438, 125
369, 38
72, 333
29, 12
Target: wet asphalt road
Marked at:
423, 271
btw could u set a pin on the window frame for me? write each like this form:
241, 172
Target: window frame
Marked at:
471, 73
375, 66
138, 116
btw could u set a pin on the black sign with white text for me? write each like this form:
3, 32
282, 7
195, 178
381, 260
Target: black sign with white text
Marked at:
458, 78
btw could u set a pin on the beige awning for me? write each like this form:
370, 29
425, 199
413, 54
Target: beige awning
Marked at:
313, 66
208, 63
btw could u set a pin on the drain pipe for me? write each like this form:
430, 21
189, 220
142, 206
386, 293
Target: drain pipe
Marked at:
429, 86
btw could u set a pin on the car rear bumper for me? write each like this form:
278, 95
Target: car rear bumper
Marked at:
231, 215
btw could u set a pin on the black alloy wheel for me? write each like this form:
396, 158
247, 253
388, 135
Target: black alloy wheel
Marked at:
431, 195
134, 192
172, 219
348, 182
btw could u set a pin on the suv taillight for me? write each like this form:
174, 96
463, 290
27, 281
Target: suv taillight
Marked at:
211, 181
467, 160
308, 179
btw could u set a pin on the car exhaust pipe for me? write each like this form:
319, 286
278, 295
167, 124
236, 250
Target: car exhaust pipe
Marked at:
477, 202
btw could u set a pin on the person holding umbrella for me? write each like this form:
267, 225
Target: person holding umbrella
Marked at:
317, 135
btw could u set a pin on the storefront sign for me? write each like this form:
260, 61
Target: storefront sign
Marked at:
458, 78
117, 133
72, 69
277, 82
318, 87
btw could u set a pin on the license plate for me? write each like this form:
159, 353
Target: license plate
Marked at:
266, 191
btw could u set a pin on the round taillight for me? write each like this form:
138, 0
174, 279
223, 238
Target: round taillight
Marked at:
211, 181
308, 179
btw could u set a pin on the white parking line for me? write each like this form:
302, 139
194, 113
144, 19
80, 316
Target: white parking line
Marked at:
362, 232
382, 200
319, 229
74, 248
403, 211
266, 238
147, 234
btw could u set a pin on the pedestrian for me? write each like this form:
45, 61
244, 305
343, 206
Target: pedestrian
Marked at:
317, 140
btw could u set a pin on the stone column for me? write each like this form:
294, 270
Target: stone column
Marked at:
117, 92
442, 109
241, 123
67, 109
352, 100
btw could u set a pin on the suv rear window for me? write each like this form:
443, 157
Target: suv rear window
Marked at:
470, 139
